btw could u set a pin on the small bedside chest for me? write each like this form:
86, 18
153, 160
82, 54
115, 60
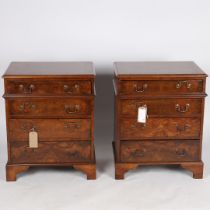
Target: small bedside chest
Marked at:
50, 116
171, 95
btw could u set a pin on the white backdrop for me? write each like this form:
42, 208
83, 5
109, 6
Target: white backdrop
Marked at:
103, 32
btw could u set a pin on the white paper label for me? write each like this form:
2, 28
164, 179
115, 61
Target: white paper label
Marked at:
142, 114
33, 139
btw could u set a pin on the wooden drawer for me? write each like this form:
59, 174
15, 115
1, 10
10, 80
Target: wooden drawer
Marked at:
162, 87
50, 107
160, 151
162, 107
51, 152
160, 128
47, 87
50, 129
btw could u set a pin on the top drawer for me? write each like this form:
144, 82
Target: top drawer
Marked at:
160, 87
48, 87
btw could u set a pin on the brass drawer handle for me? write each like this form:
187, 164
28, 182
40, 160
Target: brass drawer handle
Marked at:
26, 127
139, 153
184, 128
182, 108
70, 125
27, 89
69, 89
31, 149
140, 89
74, 154
27, 107
181, 83
181, 153
71, 109
139, 125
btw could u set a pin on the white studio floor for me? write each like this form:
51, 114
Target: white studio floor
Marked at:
144, 188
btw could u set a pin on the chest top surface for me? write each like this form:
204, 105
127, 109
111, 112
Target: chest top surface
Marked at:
131, 69
54, 69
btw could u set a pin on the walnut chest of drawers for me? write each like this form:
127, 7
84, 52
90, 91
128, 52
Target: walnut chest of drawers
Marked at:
174, 94
54, 100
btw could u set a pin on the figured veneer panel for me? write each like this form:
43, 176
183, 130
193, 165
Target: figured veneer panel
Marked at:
40, 87
160, 151
174, 94
51, 152
153, 87
159, 128
55, 100
50, 129
67, 107
179, 107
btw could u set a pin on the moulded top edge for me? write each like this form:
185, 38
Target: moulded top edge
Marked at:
50, 69
157, 69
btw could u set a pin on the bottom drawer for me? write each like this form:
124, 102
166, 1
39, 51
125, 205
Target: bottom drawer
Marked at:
159, 151
51, 152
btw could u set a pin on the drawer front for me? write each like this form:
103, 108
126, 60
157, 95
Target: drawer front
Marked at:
50, 107
161, 87
160, 151
50, 129
160, 107
162, 128
47, 87
51, 152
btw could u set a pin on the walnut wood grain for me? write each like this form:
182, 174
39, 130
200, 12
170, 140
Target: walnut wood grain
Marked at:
159, 151
195, 168
46, 107
55, 99
50, 129
50, 69
41, 87
160, 128
162, 107
149, 87
88, 169
174, 93
122, 167
13, 170
151, 68
51, 152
